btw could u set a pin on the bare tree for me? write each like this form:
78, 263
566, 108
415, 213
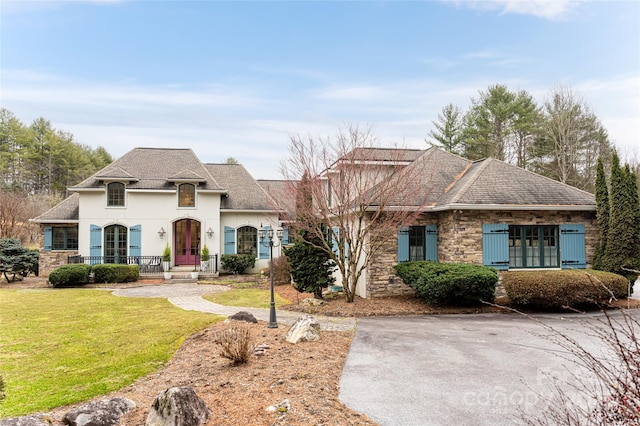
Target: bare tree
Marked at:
359, 192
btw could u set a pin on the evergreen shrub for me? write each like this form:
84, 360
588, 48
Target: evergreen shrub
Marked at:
115, 273
70, 275
237, 263
457, 284
569, 287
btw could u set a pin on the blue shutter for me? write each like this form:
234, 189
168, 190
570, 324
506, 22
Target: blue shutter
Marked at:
403, 244
135, 241
264, 244
495, 246
572, 246
335, 241
229, 240
95, 243
48, 238
285, 235
431, 243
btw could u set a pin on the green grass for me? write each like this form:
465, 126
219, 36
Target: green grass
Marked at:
59, 347
246, 297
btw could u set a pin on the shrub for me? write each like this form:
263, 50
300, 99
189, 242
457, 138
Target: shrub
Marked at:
569, 287
2, 394
70, 275
281, 270
237, 263
234, 340
115, 273
16, 261
457, 284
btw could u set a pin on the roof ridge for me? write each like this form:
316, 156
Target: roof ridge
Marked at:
474, 176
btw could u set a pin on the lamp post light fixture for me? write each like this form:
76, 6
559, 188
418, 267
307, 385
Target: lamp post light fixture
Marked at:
273, 242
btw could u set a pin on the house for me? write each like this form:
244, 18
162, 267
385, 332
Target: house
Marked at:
153, 197
484, 212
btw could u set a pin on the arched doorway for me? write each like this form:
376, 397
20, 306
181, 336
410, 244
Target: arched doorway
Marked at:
187, 241
115, 244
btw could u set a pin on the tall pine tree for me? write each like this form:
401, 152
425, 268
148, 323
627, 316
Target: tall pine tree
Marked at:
602, 215
623, 248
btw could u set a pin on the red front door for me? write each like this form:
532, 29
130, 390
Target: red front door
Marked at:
187, 241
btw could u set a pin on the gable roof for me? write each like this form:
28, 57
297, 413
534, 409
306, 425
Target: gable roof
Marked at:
154, 169
242, 190
280, 192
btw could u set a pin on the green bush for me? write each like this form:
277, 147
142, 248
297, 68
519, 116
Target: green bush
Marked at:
70, 275
569, 287
237, 263
457, 284
115, 273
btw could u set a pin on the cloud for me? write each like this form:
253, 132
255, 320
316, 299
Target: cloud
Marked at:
548, 9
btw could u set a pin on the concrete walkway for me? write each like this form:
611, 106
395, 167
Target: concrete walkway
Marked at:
189, 297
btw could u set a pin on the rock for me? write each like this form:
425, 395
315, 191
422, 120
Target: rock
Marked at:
178, 407
312, 301
283, 407
243, 316
305, 329
106, 412
260, 350
33, 420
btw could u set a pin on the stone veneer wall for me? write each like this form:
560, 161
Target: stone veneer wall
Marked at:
50, 260
460, 240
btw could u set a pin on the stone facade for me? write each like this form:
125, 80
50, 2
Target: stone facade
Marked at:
50, 260
460, 240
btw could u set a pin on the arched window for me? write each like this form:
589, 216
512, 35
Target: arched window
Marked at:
186, 195
115, 194
247, 240
115, 244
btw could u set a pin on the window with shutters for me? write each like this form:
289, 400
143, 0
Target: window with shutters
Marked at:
416, 243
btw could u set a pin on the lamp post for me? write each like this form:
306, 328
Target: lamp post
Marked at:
268, 233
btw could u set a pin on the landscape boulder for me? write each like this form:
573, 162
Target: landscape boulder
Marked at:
33, 420
106, 412
243, 316
305, 329
312, 301
179, 406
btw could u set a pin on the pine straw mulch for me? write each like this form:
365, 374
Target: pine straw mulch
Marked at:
307, 374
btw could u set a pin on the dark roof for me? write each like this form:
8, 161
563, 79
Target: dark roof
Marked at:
384, 154
243, 192
65, 211
283, 194
154, 168
495, 182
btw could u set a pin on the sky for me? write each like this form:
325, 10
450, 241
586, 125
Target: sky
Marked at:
239, 79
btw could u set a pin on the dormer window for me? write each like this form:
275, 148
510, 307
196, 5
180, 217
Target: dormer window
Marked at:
115, 194
186, 195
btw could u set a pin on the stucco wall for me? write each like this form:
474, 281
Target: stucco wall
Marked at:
460, 240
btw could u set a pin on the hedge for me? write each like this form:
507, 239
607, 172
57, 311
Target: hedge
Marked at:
457, 284
237, 263
569, 287
115, 273
70, 275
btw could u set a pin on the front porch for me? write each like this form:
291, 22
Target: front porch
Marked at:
151, 266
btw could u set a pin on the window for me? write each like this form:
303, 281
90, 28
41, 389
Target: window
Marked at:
115, 244
416, 243
186, 195
115, 194
533, 246
64, 238
247, 240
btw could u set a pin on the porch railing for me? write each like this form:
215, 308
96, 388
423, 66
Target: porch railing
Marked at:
147, 264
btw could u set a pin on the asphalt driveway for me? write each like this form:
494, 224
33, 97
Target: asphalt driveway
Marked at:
456, 369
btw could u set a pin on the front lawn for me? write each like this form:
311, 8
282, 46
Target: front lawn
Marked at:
58, 347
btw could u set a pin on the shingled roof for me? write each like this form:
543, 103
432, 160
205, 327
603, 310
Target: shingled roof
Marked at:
243, 192
64, 212
154, 168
